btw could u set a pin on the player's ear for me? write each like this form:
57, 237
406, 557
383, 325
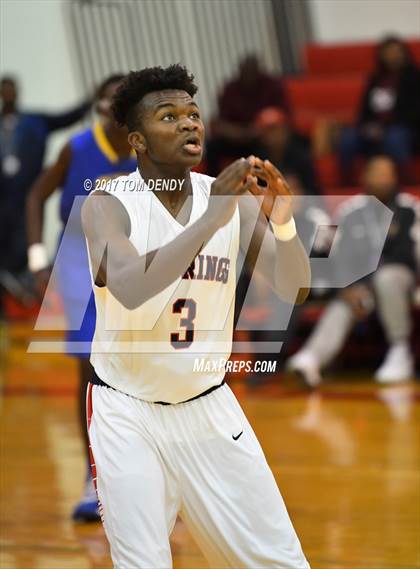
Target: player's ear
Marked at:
137, 141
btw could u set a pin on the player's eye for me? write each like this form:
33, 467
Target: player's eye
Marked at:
195, 115
168, 117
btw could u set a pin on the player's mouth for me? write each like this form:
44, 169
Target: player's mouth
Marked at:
192, 145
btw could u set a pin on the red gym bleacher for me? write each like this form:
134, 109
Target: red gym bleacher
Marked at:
345, 59
330, 89
312, 98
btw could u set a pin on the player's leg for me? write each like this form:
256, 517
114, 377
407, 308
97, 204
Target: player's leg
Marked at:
231, 502
398, 144
324, 343
87, 509
85, 375
84, 336
349, 146
137, 494
79, 306
393, 285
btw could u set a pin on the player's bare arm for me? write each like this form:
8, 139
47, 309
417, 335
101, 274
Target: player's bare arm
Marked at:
133, 279
284, 263
50, 180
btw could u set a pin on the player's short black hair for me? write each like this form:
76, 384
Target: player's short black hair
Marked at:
115, 78
137, 84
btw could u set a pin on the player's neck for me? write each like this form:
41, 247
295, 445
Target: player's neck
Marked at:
151, 171
118, 140
182, 175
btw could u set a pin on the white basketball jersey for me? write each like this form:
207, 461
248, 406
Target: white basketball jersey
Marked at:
150, 352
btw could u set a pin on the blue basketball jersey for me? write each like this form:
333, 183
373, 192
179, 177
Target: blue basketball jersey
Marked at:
92, 158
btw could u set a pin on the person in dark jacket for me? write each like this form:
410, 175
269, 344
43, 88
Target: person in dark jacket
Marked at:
389, 115
279, 144
233, 133
23, 139
390, 288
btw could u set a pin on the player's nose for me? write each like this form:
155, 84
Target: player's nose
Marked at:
188, 125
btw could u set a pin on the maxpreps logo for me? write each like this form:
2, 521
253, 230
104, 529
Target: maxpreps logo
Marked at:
222, 365
338, 273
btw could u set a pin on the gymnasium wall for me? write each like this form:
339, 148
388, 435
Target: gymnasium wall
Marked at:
363, 20
34, 47
59, 49
208, 36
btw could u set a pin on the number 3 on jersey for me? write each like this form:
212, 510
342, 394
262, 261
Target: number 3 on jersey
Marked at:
190, 306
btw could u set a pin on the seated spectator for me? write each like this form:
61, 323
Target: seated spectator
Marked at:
233, 133
263, 313
389, 288
23, 138
390, 111
279, 145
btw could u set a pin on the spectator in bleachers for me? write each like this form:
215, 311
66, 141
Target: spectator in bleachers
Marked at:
390, 287
264, 311
233, 133
279, 145
389, 116
23, 138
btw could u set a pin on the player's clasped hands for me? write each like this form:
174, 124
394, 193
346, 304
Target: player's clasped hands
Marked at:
243, 175
277, 202
231, 183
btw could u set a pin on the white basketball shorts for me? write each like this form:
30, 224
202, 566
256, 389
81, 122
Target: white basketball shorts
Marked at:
200, 460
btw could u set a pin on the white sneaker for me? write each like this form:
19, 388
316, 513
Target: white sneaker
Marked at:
398, 365
307, 366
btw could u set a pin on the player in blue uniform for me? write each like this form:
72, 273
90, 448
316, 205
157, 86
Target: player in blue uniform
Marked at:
101, 152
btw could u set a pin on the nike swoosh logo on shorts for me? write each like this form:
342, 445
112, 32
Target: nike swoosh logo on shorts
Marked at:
237, 436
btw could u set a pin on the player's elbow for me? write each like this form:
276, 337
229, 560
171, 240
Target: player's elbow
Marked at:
131, 303
294, 290
128, 298
292, 295
305, 286
302, 295
305, 279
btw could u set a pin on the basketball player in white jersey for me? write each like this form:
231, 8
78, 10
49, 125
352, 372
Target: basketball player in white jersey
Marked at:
167, 441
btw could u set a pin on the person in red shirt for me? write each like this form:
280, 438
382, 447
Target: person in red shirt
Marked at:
389, 115
233, 133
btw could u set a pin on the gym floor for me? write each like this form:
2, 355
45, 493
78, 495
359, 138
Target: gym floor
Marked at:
347, 461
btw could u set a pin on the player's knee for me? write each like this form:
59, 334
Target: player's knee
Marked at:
389, 279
